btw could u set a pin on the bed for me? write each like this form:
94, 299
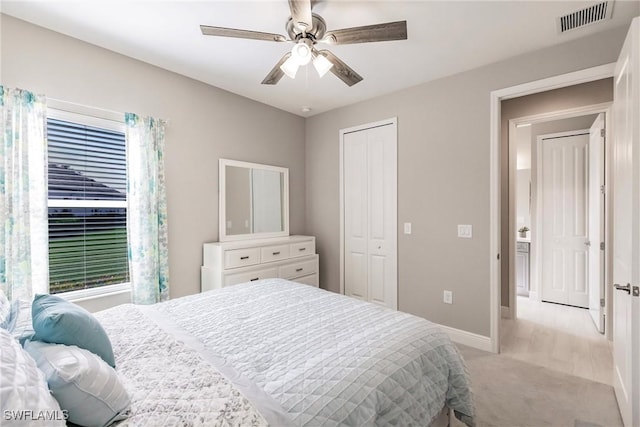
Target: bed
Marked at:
279, 353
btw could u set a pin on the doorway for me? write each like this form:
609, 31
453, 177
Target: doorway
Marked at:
581, 262
550, 324
565, 95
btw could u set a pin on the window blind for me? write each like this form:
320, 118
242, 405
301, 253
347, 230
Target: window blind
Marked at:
87, 206
85, 162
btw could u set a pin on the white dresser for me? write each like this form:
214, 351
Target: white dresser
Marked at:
229, 263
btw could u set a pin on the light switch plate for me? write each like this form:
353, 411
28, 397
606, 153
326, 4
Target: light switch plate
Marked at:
447, 297
465, 231
407, 228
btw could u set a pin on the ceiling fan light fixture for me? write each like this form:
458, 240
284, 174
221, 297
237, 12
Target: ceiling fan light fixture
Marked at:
302, 52
290, 67
321, 64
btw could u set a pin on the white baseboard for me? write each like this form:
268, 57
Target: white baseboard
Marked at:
468, 338
505, 312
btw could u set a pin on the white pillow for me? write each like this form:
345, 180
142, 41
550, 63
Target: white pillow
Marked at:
5, 311
23, 390
84, 384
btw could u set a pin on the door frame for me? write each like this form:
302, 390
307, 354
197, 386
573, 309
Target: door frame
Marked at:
536, 239
393, 121
496, 97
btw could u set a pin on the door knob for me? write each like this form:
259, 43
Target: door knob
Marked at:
626, 288
587, 243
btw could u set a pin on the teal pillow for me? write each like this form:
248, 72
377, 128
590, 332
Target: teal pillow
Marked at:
58, 321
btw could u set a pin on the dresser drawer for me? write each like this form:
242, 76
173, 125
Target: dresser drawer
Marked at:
298, 269
250, 276
522, 247
302, 248
241, 257
274, 253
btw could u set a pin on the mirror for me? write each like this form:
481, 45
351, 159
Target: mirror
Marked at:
254, 200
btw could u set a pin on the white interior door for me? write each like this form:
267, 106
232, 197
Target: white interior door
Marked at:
356, 277
626, 231
370, 214
565, 220
596, 222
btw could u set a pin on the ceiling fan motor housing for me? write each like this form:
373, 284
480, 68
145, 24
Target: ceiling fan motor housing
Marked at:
317, 31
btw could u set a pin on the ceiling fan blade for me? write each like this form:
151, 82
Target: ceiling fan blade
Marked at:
276, 73
301, 14
369, 33
340, 69
241, 34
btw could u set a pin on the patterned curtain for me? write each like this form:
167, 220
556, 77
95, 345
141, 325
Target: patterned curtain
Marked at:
147, 212
24, 249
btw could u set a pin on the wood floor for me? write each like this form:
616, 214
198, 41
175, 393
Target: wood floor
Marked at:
557, 337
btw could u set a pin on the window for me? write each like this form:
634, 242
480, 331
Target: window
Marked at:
87, 202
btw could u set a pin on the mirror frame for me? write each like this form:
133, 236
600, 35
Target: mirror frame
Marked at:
222, 214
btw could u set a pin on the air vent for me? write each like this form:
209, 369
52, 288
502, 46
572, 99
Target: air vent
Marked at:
587, 16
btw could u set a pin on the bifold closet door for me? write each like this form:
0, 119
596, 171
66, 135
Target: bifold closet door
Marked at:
370, 215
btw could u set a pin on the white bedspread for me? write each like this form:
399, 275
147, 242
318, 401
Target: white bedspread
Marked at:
300, 355
170, 383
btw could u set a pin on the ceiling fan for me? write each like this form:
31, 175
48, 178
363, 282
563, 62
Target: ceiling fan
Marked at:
306, 29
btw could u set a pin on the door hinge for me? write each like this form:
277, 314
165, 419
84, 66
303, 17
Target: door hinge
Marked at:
601, 302
602, 132
602, 189
602, 246
498, 257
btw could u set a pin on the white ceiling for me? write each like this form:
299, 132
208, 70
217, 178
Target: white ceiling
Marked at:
444, 37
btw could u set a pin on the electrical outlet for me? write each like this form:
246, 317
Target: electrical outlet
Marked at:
407, 228
448, 297
465, 231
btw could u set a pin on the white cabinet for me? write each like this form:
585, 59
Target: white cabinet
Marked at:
229, 263
522, 269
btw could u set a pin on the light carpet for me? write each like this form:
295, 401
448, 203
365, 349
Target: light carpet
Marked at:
509, 393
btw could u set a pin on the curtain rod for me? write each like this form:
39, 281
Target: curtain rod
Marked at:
75, 107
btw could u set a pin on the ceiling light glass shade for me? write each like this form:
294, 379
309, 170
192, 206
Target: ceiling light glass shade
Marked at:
322, 65
301, 52
290, 67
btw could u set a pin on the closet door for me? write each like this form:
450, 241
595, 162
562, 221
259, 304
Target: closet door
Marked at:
370, 214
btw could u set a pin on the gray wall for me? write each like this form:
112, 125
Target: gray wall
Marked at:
204, 124
443, 178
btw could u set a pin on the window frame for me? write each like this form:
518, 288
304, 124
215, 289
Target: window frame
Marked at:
99, 118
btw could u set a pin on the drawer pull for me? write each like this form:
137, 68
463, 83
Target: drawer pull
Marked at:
299, 269
302, 249
253, 280
277, 253
244, 257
